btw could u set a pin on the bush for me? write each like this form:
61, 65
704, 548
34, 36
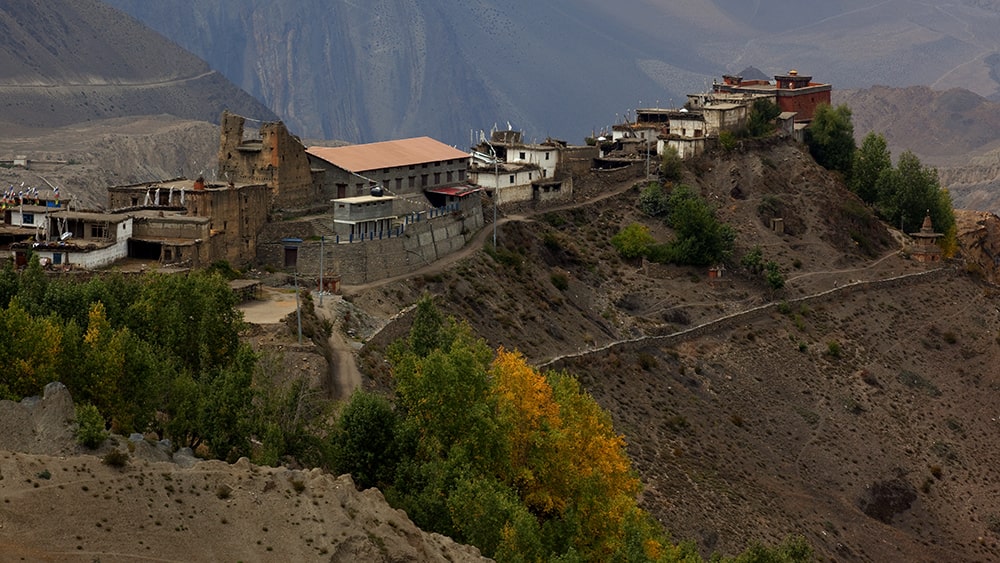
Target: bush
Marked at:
115, 458
634, 241
833, 349
653, 200
671, 166
560, 281
727, 140
90, 431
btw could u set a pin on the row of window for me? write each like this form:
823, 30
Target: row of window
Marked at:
523, 156
426, 164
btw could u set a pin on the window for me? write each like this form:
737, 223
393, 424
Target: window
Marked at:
412, 181
135, 201
399, 184
511, 178
27, 218
520, 155
57, 258
423, 180
98, 231
461, 175
546, 156
450, 176
529, 175
437, 178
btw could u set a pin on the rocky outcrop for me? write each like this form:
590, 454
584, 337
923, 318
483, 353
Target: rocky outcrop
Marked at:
39, 425
979, 239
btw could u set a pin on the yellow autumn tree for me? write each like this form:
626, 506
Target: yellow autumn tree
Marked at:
29, 352
566, 460
530, 415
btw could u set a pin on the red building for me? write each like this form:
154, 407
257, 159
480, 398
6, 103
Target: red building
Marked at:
792, 92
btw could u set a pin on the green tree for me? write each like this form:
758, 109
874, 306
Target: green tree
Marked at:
671, 165
700, 238
634, 241
90, 428
773, 275
653, 200
29, 352
760, 121
869, 163
830, 137
908, 192
365, 440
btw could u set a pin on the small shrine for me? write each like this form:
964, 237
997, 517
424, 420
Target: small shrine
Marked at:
925, 247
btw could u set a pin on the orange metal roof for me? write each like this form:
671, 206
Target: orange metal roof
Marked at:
387, 154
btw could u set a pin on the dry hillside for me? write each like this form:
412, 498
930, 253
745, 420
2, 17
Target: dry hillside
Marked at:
853, 411
72, 62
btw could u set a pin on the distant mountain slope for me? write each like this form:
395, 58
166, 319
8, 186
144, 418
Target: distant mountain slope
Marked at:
66, 62
955, 130
379, 70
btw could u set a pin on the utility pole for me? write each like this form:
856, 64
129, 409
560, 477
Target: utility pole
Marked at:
322, 241
496, 186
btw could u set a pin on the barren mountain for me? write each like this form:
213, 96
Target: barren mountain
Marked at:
381, 70
71, 62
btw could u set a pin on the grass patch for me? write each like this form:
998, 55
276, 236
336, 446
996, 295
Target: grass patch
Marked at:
916, 381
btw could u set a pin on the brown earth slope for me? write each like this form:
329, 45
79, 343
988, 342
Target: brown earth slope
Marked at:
853, 411
70, 62
64, 503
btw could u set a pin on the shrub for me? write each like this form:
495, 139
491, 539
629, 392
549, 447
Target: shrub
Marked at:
671, 166
727, 140
773, 276
560, 281
633, 241
653, 200
116, 458
833, 349
223, 492
646, 361
90, 431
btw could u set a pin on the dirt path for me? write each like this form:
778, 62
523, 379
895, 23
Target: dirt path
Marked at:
275, 304
345, 373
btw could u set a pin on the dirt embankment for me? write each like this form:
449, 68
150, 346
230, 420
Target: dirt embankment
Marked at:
62, 503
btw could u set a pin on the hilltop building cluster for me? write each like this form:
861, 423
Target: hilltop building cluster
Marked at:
359, 213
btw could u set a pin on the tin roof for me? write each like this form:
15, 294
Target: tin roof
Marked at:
459, 191
387, 154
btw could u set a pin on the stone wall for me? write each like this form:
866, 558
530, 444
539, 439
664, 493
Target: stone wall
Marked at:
277, 159
744, 317
362, 261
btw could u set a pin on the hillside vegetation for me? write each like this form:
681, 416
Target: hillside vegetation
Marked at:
848, 410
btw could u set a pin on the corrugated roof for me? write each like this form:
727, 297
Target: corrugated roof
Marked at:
460, 191
387, 154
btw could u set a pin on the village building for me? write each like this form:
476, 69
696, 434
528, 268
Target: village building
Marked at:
512, 171
268, 155
404, 166
78, 239
193, 223
507, 182
791, 92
